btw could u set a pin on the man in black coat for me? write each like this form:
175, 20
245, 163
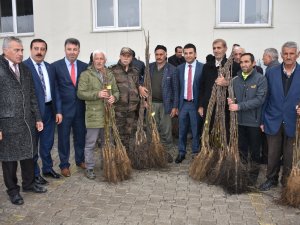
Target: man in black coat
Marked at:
210, 76
19, 115
177, 58
210, 73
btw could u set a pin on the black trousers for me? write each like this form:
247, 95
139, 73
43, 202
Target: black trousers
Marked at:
10, 175
250, 142
279, 145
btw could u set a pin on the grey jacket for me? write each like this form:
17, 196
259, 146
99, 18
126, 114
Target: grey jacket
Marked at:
250, 95
18, 113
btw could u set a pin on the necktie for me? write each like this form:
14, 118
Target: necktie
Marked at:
189, 84
73, 77
41, 75
17, 72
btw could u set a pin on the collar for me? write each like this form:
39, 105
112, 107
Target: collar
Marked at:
10, 63
36, 64
193, 64
69, 63
218, 62
285, 72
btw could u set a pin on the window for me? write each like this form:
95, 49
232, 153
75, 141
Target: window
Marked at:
244, 13
16, 17
117, 15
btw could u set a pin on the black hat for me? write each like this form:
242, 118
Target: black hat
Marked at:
160, 47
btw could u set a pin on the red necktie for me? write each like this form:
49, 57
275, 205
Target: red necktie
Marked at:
189, 84
73, 77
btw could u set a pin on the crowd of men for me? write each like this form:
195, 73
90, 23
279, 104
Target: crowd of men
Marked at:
36, 96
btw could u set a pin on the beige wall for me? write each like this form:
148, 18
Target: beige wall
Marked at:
170, 22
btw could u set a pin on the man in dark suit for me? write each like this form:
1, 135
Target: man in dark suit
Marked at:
177, 58
279, 114
189, 75
67, 72
49, 104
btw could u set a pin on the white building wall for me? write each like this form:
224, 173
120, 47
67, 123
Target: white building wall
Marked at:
170, 22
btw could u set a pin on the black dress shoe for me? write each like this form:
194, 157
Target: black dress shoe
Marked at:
36, 189
40, 180
52, 174
268, 185
179, 158
16, 199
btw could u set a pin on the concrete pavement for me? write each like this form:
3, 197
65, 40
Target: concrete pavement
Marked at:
150, 197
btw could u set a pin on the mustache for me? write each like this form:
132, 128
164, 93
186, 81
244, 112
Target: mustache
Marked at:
38, 55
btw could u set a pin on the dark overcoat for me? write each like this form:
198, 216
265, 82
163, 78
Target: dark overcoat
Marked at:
18, 113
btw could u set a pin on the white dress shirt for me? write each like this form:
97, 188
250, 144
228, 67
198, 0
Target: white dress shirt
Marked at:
186, 75
48, 97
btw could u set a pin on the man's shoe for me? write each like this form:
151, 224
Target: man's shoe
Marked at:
36, 189
52, 174
65, 172
268, 185
179, 158
89, 173
16, 199
40, 180
82, 165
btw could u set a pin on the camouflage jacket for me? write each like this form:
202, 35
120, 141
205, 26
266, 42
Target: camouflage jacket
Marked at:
128, 83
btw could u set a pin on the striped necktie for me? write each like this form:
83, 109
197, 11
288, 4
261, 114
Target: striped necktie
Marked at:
17, 72
41, 75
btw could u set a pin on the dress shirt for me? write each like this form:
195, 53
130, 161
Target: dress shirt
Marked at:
48, 96
218, 62
11, 65
69, 65
186, 75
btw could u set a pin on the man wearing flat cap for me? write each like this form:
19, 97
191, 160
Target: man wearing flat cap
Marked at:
164, 95
126, 109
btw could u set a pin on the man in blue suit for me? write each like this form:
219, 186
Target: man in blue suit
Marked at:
67, 72
49, 104
189, 75
279, 114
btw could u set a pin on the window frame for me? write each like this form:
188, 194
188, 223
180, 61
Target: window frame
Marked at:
15, 26
116, 16
242, 23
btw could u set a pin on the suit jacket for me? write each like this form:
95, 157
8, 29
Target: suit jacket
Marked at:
169, 86
68, 92
196, 84
39, 90
278, 108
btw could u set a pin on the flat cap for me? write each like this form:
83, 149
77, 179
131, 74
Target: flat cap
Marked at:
126, 50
